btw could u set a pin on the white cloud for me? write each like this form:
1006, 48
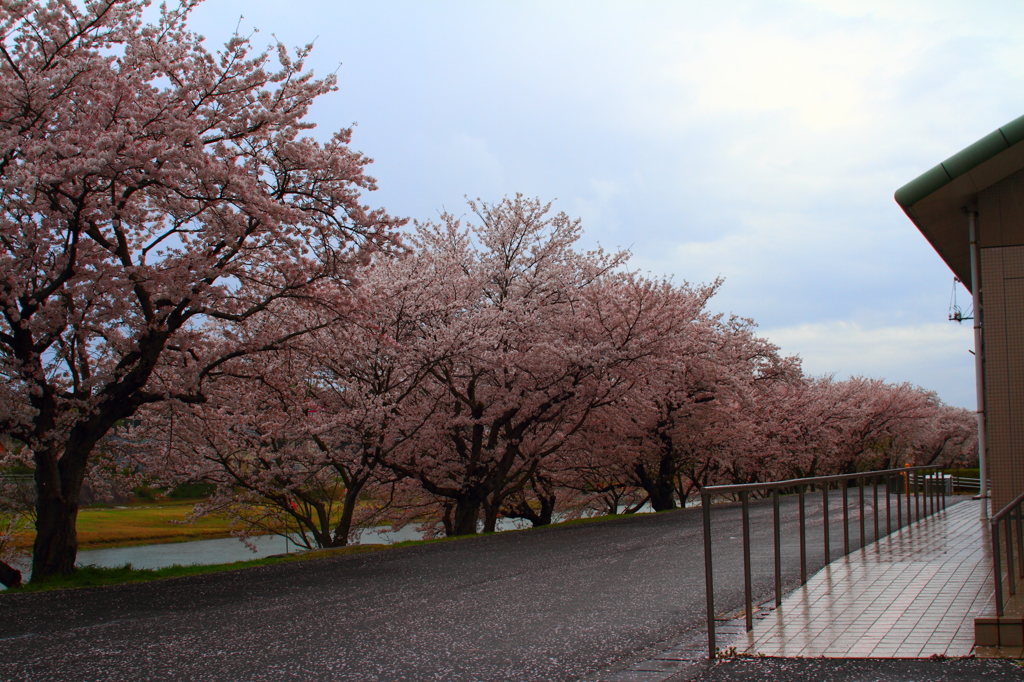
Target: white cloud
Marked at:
758, 140
933, 356
758, 69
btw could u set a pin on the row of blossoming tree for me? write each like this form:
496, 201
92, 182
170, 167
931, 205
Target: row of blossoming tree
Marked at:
496, 370
192, 291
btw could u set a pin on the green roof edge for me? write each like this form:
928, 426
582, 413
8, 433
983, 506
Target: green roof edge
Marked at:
960, 163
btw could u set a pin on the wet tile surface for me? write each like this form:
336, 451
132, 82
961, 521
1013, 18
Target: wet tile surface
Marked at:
912, 594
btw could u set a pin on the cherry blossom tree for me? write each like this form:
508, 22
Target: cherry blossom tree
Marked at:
688, 410
161, 208
538, 336
760, 419
296, 440
855, 424
820, 426
15, 510
702, 405
950, 438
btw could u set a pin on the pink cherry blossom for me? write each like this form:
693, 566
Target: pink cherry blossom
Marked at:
162, 208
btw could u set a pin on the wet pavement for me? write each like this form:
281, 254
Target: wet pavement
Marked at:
858, 670
912, 594
553, 604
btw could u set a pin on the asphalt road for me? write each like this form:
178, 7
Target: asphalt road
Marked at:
552, 604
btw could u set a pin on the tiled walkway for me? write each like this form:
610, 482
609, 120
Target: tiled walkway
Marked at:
912, 594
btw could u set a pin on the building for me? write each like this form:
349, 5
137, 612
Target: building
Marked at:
971, 206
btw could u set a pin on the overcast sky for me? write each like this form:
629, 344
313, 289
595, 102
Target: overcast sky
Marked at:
757, 141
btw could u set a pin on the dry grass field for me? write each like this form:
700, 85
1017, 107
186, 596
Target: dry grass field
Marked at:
141, 523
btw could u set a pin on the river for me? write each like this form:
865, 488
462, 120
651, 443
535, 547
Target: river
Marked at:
228, 550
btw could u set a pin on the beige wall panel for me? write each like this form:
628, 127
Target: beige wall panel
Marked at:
1003, 299
1001, 213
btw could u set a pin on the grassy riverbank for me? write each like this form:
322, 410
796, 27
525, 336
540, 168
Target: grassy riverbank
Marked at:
95, 576
140, 523
146, 523
92, 576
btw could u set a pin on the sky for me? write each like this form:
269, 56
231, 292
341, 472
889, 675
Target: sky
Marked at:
760, 142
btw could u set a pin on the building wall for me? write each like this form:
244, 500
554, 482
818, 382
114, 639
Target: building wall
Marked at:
1001, 237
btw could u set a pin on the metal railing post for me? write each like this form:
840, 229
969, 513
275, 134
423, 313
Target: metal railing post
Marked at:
888, 508
912, 497
909, 509
825, 524
997, 568
917, 496
846, 520
925, 491
925, 494
924, 487
803, 538
1020, 543
1006, 517
874, 480
709, 581
778, 548
747, 588
860, 484
899, 502
1011, 584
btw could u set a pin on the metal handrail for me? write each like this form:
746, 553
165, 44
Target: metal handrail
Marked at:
1005, 515
929, 496
963, 482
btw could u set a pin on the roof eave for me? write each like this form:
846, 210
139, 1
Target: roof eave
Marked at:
937, 200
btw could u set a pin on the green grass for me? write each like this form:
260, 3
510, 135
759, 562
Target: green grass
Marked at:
140, 523
144, 523
965, 473
95, 576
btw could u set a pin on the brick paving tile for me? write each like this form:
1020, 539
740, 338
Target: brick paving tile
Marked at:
913, 593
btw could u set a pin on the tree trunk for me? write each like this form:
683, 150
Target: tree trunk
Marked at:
467, 513
10, 576
348, 507
446, 520
681, 489
612, 501
56, 545
659, 488
491, 513
58, 486
519, 507
547, 509
662, 496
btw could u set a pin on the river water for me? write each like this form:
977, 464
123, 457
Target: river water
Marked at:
229, 550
